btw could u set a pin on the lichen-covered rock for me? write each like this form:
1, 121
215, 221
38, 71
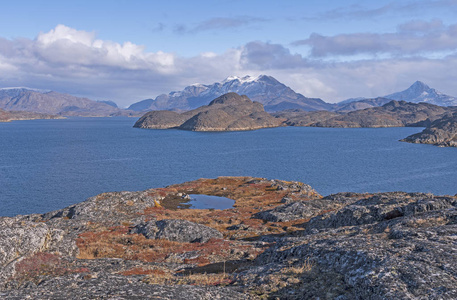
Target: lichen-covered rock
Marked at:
388, 246
177, 230
110, 286
295, 210
20, 238
288, 212
381, 207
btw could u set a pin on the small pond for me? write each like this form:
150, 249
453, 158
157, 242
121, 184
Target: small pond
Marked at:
198, 201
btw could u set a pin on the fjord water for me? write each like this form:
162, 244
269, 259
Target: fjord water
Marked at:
50, 164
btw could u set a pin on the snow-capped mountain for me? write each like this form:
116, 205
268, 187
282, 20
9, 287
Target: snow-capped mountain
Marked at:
420, 92
264, 89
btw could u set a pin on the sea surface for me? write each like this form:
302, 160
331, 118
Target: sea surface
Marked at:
49, 164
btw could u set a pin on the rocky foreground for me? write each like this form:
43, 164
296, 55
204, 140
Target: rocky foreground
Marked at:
281, 240
228, 112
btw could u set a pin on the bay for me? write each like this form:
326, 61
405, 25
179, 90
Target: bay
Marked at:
50, 164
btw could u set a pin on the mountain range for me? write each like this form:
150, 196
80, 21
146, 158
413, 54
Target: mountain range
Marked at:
50, 102
273, 94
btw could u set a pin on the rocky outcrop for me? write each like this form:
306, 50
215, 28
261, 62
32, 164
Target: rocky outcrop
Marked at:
228, 112
177, 230
441, 132
386, 246
280, 240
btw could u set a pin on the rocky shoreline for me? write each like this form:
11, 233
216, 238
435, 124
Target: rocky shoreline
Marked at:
441, 132
280, 240
8, 116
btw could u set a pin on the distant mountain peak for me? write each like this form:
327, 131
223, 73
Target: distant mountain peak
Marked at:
245, 79
421, 92
419, 84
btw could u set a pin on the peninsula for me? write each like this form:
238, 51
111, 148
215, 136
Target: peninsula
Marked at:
8, 116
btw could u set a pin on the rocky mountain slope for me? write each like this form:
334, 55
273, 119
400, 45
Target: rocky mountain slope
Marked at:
267, 90
420, 92
280, 240
49, 102
298, 117
226, 113
7, 116
442, 132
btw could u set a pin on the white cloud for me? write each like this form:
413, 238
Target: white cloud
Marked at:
412, 38
65, 45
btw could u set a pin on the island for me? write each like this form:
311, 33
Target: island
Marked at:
281, 240
229, 112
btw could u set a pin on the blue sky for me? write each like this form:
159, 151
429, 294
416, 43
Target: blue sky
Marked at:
131, 50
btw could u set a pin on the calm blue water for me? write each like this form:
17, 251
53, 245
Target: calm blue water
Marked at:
50, 164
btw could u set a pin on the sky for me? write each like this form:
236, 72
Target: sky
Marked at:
126, 51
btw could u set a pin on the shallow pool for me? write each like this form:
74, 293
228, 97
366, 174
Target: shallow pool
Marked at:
198, 201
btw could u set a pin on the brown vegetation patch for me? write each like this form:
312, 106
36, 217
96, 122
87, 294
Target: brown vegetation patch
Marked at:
42, 264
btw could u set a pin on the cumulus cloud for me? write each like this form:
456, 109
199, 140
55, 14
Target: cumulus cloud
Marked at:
65, 45
411, 38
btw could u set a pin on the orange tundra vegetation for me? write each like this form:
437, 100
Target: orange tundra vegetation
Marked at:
251, 195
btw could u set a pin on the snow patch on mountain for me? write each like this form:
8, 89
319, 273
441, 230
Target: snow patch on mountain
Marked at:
420, 92
273, 94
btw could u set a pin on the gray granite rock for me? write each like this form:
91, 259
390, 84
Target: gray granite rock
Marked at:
177, 230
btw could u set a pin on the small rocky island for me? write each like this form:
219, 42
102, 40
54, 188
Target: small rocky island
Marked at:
281, 240
228, 112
